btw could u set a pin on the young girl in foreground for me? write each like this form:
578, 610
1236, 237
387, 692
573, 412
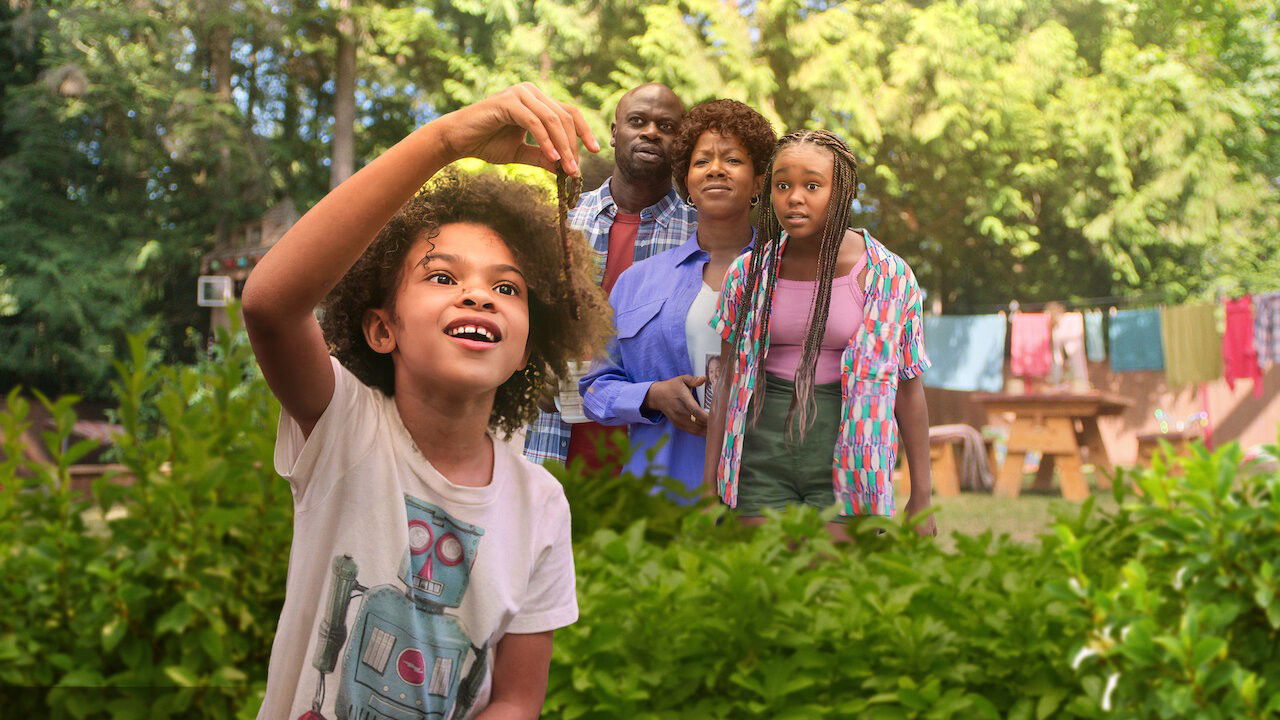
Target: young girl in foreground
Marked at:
823, 349
431, 563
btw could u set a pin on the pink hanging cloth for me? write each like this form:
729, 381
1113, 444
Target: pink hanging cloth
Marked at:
1239, 357
1031, 347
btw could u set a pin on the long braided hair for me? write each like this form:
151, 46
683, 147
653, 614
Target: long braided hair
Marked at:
763, 279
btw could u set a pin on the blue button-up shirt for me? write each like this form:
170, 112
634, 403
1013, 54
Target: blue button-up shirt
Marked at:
663, 226
650, 303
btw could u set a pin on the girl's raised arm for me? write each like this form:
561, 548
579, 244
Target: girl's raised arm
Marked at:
281, 294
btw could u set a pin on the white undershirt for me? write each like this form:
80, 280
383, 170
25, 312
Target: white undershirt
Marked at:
699, 335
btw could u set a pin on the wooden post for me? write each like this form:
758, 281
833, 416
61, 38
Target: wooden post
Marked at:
946, 475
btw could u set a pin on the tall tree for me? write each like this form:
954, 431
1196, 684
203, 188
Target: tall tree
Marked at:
343, 159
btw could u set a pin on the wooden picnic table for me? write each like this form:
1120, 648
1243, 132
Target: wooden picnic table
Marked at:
1059, 425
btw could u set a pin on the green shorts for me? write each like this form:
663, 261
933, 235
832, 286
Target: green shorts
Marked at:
776, 472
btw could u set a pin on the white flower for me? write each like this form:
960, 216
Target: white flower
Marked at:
1177, 579
1085, 653
1106, 693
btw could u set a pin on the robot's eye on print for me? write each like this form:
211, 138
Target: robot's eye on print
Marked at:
449, 550
420, 537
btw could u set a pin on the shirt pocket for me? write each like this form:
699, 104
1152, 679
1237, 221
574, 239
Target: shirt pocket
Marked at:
632, 321
878, 354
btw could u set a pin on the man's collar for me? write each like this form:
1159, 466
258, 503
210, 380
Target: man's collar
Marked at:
665, 207
660, 211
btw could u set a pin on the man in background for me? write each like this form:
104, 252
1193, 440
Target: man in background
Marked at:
634, 215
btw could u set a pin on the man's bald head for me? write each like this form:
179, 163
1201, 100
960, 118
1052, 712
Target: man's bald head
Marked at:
653, 90
645, 125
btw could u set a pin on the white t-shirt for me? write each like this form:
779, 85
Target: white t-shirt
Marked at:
703, 342
432, 574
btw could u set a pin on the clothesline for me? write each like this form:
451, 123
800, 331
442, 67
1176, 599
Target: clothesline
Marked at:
1081, 304
1182, 340
1117, 301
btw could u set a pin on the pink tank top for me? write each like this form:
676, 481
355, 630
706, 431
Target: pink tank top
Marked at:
789, 325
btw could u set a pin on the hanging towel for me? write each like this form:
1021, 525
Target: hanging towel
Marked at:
1030, 348
1192, 347
967, 352
1239, 357
1266, 328
1093, 336
1068, 350
1135, 341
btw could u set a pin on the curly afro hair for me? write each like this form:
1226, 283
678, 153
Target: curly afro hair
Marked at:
522, 216
727, 117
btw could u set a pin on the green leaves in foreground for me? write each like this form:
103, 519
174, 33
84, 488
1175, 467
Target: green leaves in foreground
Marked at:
159, 598
1186, 612
156, 596
780, 622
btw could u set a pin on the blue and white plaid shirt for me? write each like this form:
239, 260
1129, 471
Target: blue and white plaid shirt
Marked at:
663, 226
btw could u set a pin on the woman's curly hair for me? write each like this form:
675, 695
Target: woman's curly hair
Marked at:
727, 117
521, 215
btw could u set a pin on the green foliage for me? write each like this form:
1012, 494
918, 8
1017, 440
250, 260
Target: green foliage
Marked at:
1186, 609
1006, 145
156, 598
1168, 607
159, 598
603, 499
780, 622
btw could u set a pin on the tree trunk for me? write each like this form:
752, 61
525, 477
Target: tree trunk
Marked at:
220, 60
343, 158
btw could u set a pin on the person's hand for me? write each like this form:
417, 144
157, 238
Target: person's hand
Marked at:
927, 527
674, 398
494, 129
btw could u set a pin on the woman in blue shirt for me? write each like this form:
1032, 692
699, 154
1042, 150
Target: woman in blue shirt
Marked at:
654, 376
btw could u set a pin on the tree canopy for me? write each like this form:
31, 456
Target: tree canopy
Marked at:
1010, 149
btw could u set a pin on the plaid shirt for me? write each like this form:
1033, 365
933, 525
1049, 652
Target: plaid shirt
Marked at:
888, 347
1266, 328
663, 226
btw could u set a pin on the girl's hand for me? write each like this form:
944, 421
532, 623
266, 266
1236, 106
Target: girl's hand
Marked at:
494, 130
674, 398
927, 528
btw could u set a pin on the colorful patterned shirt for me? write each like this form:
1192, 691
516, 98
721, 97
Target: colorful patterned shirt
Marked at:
664, 225
888, 347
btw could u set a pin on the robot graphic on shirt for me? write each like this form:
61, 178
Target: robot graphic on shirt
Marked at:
405, 658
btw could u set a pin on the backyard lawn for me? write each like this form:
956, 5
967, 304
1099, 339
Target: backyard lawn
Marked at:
1022, 518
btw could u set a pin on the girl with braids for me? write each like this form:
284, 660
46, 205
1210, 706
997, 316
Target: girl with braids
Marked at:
823, 349
654, 370
431, 562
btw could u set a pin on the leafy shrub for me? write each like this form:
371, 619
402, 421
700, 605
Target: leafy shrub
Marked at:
167, 603
781, 623
160, 598
1186, 609
608, 498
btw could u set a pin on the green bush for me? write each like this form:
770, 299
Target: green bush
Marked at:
607, 500
781, 623
160, 598
1182, 588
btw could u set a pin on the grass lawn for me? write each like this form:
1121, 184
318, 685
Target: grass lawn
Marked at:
1022, 518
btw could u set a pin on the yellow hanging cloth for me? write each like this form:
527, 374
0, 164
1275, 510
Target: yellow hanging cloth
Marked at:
1192, 345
